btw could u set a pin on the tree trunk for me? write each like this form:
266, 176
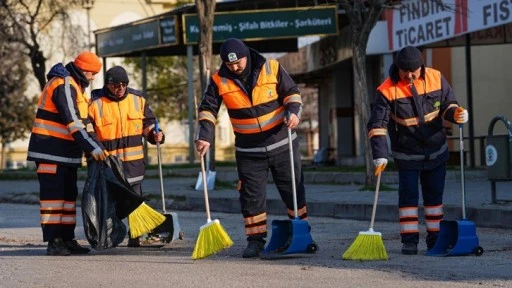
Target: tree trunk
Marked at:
362, 105
362, 16
205, 13
37, 60
2, 157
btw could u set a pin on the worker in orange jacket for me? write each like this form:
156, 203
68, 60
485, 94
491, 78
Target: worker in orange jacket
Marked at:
121, 117
258, 94
410, 107
60, 134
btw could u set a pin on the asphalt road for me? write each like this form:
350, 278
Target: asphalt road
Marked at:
23, 262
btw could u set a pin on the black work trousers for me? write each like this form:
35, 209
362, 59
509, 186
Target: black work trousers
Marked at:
57, 195
253, 178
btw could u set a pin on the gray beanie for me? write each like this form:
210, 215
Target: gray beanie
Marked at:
116, 74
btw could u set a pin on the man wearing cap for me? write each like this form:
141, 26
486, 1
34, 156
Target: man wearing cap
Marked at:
259, 95
121, 117
410, 106
59, 135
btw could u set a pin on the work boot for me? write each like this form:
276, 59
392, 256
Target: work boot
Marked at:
410, 248
57, 247
431, 240
133, 242
75, 248
254, 248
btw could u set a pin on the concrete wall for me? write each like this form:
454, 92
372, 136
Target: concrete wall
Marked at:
491, 86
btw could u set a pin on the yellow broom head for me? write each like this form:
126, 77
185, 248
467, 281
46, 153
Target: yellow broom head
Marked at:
212, 239
367, 246
144, 219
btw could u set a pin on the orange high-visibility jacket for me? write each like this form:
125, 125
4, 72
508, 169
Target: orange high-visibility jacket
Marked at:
256, 112
120, 125
61, 128
414, 121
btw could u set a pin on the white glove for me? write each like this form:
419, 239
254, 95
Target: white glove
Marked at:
380, 165
461, 115
99, 155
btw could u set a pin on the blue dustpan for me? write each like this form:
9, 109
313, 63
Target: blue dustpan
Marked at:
290, 236
457, 238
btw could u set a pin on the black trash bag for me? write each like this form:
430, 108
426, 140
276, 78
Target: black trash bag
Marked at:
107, 198
126, 200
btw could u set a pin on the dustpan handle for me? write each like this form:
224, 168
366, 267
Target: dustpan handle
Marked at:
462, 178
375, 199
159, 157
292, 169
205, 190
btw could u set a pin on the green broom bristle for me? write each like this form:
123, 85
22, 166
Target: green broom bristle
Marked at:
144, 219
212, 239
367, 246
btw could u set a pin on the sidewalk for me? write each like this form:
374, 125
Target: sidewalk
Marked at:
329, 194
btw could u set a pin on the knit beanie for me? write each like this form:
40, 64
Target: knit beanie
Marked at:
116, 74
88, 61
409, 59
233, 50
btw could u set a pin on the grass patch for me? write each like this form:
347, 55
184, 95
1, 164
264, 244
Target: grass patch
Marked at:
29, 175
193, 165
220, 184
381, 188
225, 184
389, 167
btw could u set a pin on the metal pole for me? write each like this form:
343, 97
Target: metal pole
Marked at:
462, 176
144, 92
191, 106
89, 44
87, 5
292, 170
469, 87
88, 8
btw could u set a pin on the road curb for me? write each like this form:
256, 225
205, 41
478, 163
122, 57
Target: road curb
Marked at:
482, 217
229, 174
492, 217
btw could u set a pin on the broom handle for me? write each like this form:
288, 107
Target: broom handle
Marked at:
159, 157
374, 209
205, 189
461, 139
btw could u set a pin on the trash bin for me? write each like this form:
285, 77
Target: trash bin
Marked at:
498, 154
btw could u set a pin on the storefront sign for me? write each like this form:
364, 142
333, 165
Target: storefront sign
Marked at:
266, 24
138, 36
419, 22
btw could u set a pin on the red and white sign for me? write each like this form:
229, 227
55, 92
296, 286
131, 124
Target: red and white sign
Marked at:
420, 22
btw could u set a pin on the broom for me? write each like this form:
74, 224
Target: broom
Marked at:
142, 218
368, 244
212, 236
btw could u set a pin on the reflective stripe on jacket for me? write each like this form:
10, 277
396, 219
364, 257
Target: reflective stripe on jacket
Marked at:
413, 117
59, 133
120, 126
257, 115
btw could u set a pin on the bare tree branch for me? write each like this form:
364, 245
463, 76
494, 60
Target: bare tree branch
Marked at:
32, 23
